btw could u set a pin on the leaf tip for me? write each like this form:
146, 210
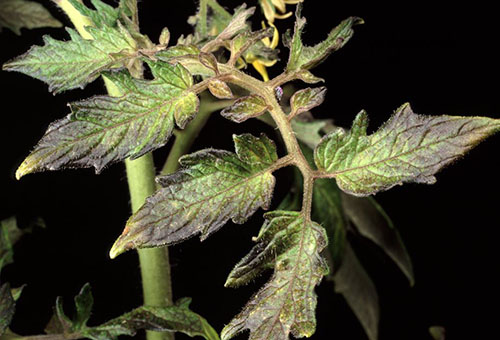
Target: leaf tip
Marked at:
121, 245
23, 169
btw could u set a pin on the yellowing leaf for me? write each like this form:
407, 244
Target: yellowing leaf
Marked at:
245, 108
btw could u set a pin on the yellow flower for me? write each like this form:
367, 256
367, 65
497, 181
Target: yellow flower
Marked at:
260, 64
272, 7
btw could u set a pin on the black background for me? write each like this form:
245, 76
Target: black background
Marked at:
443, 59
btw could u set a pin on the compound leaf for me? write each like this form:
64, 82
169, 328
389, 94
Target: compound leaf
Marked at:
307, 57
287, 303
17, 14
66, 65
212, 187
352, 281
407, 148
104, 129
372, 222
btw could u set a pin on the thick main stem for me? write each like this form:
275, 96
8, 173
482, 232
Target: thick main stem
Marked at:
154, 263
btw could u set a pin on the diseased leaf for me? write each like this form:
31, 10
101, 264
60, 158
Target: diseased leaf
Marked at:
17, 14
219, 89
238, 22
66, 65
352, 281
178, 318
245, 40
16, 292
209, 60
307, 57
212, 187
7, 307
245, 108
309, 78
286, 304
102, 15
102, 130
407, 148
177, 51
306, 99
372, 222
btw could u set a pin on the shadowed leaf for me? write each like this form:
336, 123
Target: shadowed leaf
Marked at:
9, 235
17, 14
7, 307
437, 332
407, 148
352, 281
372, 222
309, 132
286, 304
102, 130
212, 187
307, 57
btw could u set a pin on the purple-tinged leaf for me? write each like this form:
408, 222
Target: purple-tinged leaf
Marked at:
407, 148
245, 108
212, 187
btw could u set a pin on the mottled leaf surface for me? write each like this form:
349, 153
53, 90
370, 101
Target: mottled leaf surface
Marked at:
352, 281
66, 65
103, 129
286, 304
7, 307
17, 14
407, 148
306, 99
178, 318
372, 222
212, 187
307, 57
245, 108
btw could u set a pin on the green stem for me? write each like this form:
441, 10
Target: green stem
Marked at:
154, 263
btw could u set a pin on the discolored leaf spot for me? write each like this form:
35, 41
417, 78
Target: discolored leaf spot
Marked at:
245, 40
17, 14
220, 89
307, 57
372, 222
308, 78
287, 302
212, 187
177, 51
407, 148
306, 99
352, 281
245, 108
103, 129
